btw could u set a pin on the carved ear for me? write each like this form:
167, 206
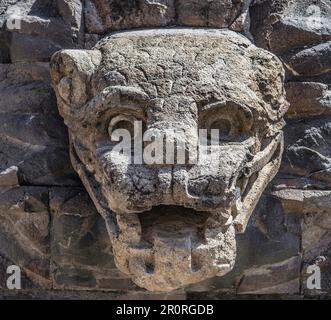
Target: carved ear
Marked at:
71, 71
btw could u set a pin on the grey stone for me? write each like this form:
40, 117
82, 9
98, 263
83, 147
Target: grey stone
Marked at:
32, 135
308, 149
24, 234
26, 88
212, 74
304, 201
39, 39
313, 61
284, 25
89, 295
9, 177
212, 14
308, 99
91, 40
41, 28
113, 15
316, 244
272, 237
82, 258
34, 140
278, 278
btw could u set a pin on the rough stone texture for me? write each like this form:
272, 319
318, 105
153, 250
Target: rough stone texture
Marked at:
287, 274
305, 201
112, 15
304, 184
32, 135
308, 151
284, 25
273, 239
198, 85
24, 235
308, 99
44, 28
89, 295
270, 245
9, 177
316, 242
81, 252
314, 61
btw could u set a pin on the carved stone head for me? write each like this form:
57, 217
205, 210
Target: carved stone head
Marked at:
173, 225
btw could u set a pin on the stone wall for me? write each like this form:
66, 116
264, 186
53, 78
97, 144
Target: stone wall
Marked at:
49, 226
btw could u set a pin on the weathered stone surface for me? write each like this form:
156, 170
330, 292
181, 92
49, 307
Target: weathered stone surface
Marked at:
111, 15
14, 74
278, 278
33, 30
272, 238
72, 12
297, 31
156, 214
313, 61
91, 40
316, 244
284, 25
308, 149
305, 201
300, 32
24, 234
213, 14
81, 252
9, 177
89, 295
25, 280
308, 99
39, 39
32, 136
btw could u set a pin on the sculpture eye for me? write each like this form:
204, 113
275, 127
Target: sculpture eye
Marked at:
226, 122
128, 123
225, 129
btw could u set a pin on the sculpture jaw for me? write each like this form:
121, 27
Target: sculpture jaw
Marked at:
174, 247
171, 247
167, 248
183, 247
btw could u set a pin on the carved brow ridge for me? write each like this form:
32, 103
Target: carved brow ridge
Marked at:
115, 97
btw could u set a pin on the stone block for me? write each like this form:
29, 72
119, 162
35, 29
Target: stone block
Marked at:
316, 245
308, 99
25, 235
268, 259
111, 15
82, 258
32, 134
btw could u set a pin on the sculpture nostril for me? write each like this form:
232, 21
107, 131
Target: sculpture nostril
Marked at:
247, 172
150, 268
250, 157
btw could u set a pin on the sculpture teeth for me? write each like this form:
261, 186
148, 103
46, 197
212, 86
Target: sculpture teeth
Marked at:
130, 227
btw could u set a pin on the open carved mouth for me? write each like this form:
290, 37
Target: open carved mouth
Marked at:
173, 222
171, 246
